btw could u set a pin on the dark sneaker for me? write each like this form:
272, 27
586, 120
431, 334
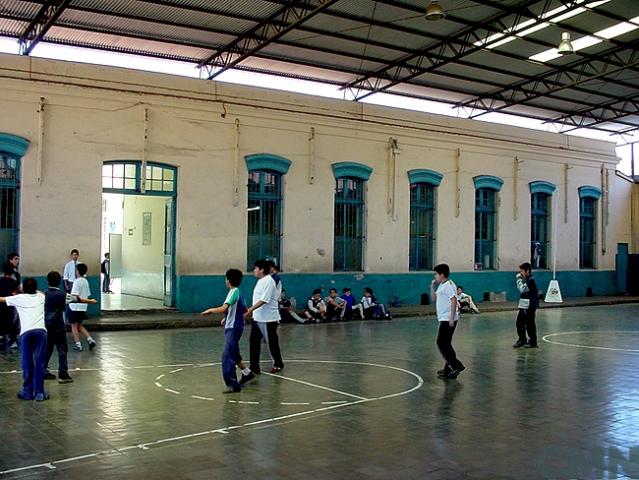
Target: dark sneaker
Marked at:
64, 378
92, 344
23, 397
443, 370
531, 345
451, 374
519, 344
77, 348
41, 397
247, 378
276, 369
49, 376
232, 390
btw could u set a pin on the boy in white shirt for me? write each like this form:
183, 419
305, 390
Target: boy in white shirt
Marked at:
447, 314
78, 311
266, 316
68, 275
33, 339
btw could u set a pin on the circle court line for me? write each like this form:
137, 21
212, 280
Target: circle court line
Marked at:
591, 347
143, 447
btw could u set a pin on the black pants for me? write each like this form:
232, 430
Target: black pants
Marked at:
445, 345
526, 324
259, 331
59, 341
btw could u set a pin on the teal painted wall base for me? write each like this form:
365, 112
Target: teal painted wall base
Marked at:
195, 293
94, 285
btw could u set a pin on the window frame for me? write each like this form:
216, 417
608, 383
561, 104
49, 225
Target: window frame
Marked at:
422, 257
342, 262
262, 197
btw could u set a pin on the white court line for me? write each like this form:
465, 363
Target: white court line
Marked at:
171, 391
334, 403
202, 398
295, 403
591, 347
308, 384
225, 430
176, 370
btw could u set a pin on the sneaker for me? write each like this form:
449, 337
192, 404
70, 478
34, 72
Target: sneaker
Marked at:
14, 346
531, 345
276, 369
49, 376
443, 370
232, 390
247, 378
41, 397
64, 378
451, 374
519, 344
21, 396
77, 348
92, 344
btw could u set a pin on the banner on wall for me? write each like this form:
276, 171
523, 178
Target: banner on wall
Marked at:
553, 295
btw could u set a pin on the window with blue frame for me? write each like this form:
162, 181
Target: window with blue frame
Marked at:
485, 228
126, 177
9, 204
587, 232
349, 224
422, 226
539, 230
264, 216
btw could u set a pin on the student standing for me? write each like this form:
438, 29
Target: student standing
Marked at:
55, 301
78, 311
68, 275
233, 309
528, 304
33, 339
14, 261
8, 324
266, 317
448, 315
105, 269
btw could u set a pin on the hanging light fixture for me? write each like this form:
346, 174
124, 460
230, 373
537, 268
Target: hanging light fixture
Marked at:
434, 11
565, 47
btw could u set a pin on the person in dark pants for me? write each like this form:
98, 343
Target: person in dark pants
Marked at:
448, 315
33, 339
55, 302
105, 269
528, 304
266, 317
13, 259
8, 325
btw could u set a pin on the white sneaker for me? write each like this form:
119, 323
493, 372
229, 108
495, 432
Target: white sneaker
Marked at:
14, 345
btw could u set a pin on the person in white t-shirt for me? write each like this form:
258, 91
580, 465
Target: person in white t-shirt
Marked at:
33, 339
448, 315
69, 273
78, 311
266, 317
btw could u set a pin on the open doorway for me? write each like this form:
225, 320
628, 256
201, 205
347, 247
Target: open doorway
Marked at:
138, 234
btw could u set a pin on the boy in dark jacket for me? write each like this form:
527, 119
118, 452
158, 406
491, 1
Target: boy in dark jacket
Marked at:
528, 304
55, 301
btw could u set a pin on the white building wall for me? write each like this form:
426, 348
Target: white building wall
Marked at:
95, 114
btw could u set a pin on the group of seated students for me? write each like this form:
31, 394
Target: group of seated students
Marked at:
335, 308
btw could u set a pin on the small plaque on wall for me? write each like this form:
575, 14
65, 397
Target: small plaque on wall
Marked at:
146, 228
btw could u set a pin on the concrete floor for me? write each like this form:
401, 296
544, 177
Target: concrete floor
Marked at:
351, 404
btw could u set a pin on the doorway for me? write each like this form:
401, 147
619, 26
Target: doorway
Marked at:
138, 232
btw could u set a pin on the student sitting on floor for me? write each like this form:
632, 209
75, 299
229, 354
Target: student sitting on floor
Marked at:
349, 304
370, 308
465, 301
335, 306
315, 307
287, 309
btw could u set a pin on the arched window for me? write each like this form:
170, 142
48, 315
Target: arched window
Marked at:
486, 189
423, 195
12, 149
265, 180
588, 201
349, 228
540, 212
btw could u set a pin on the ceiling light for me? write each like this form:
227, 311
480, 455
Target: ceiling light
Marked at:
434, 11
565, 47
